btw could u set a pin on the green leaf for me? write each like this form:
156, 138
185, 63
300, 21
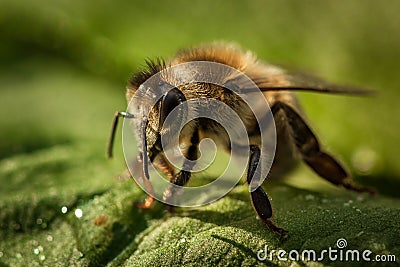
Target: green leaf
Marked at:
111, 230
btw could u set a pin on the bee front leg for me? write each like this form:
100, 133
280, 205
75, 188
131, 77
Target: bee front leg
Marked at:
148, 202
162, 164
307, 143
259, 198
183, 176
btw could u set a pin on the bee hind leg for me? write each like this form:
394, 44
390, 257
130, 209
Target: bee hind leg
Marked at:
259, 199
307, 143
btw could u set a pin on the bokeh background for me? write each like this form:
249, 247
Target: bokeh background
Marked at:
64, 67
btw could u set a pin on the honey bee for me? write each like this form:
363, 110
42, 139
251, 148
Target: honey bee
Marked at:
294, 138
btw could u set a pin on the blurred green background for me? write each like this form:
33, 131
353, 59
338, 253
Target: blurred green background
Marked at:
64, 67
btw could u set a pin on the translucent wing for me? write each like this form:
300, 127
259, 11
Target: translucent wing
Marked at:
286, 81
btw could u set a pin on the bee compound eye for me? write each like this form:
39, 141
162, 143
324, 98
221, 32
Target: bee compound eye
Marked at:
170, 100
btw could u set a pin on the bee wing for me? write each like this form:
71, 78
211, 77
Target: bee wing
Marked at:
305, 82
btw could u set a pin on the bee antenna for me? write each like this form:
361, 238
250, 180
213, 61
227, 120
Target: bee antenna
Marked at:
117, 115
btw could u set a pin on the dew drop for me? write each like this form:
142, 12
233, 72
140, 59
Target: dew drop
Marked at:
78, 213
64, 209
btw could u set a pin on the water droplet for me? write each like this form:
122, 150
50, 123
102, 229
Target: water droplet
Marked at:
64, 209
78, 213
49, 238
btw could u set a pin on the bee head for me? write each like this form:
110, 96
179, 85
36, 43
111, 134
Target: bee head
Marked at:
157, 126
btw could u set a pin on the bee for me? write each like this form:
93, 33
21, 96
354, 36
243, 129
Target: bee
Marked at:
294, 138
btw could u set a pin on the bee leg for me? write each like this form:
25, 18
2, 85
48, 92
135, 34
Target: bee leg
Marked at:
148, 202
180, 179
162, 163
307, 143
183, 176
259, 198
